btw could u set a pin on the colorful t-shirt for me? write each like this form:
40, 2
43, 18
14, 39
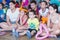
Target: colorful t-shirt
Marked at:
33, 23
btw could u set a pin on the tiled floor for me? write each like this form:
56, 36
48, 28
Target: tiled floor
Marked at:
8, 36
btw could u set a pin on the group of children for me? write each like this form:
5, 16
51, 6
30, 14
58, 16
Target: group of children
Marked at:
41, 22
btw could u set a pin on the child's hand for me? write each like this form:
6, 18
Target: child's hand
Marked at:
2, 16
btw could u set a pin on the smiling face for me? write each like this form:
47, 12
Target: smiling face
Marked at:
52, 10
43, 5
11, 5
31, 15
33, 5
22, 12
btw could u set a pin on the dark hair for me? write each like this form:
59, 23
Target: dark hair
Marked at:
34, 12
54, 6
44, 2
13, 2
33, 2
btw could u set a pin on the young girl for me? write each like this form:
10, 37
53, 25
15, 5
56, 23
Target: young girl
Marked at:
43, 12
54, 19
43, 30
33, 23
23, 22
12, 18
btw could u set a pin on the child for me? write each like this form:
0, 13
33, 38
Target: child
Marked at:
1, 17
43, 12
33, 23
54, 19
5, 6
1, 13
12, 18
33, 6
23, 22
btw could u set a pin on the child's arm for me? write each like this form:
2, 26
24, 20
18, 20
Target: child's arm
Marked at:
25, 20
48, 22
17, 21
7, 17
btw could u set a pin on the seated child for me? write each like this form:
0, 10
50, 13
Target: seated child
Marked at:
33, 23
43, 12
23, 22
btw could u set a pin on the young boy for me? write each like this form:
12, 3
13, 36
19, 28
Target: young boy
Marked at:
33, 23
33, 6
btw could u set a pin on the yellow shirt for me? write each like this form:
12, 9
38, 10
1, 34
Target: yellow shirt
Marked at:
33, 23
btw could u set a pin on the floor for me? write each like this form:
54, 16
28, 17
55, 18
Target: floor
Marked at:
8, 36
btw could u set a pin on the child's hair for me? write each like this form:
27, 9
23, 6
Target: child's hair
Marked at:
54, 6
34, 12
33, 2
13, 2
44, 2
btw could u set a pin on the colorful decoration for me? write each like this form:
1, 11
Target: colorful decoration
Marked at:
32, 26
25, 2
42, 26
44, 19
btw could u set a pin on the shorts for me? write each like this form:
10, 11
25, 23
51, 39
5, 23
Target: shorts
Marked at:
32, 30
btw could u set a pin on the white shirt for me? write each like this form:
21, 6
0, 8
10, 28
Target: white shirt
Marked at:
54, 18
13, 16
43, 13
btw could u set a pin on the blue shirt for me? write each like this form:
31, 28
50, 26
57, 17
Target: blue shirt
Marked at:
1, 12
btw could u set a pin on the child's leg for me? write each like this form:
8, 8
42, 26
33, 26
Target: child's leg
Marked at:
4, 26
23, 33
33, 32
56, 32
22, 30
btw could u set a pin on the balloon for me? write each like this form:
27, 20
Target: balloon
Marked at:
42, 26
44, 19
25, 2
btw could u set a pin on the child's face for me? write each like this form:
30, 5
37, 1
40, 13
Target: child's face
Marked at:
31, 15
0, 6
33, 5
43, 5
11, 5
22, 12
51, 9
